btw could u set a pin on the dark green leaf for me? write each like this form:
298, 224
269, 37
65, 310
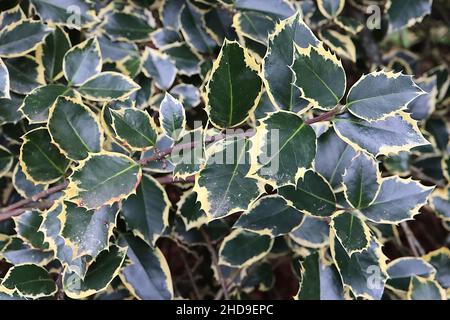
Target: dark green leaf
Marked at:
352, 232
123, 26
108, 86
159, 67
25, 74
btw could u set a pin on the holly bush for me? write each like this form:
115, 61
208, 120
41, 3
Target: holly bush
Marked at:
237, 149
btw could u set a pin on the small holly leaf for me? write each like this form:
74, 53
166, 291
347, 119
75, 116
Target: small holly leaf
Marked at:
320, 76
134, 128
27, 228
74, 128
440, 260
271, 215
231, 173
279, 8
6, 160
188, 94
242, 248
52, 53
170, 12
349, 25
312, 195
362, 181
330, 8
190, 212
401, 270
253, 25
172, 117
29, 281
319, 281
103, 178
333, 156
339, 43
425, 289
440, 202
61, 12
108, 86
363, 272
121, 26
352, 232
391, 135
18, 252
23, 186
25, 74
193, 30
312, 233
98, 276
148, 275
404, 14
87, 232
146, 213
22, 37
424, 105
188, 161
234, 86
397, 200
379, 95
115, 51
9, 112
40, 160
11, 16
282, 149
37, 103
186, 60
165, 36
159, 67
4, 81
258, 276
82, 62
278, 77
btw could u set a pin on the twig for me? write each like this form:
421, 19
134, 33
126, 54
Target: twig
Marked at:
413, 243
323, 117
190, 276
230, 283
171, 179
215, 262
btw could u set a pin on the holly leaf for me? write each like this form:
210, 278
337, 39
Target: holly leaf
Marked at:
40, 160
340, 43
23, 186
352, 232
6, 161
242, 248
82, 62
425, 289
74, 128
108, 86
160, 67
25, 74
186, 60
234, 86
27, 228
440, 202
271, 215
121, 26
172, 117
4, 81
404, 14
401, 271
103, 178
379, 95
190, 212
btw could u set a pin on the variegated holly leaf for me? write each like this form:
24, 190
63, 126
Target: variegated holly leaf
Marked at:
165, 36
333, 156
98, 276
349, 24
363, 272
103, 178
440, 202
82, 62
40, 159
186, 60
271, 215
278, 76
424, 105
312, 195
383, 137
361, 181
134, 128
37, 103
352, 232
108, 86
23, 186
319, 281
401, 270
29, 281
397, 200
283, 147
193, 30
122, 26
87, 232
379, 95
52, 52
312, 233
9, 112
218, 181
440, 260
253, 25
17, 252
146, 213
172, 117
234, 86
340, 43
27, 228
74, 128
278, 8
170, 12
330, 8
188, 94
147, 276
425, 289
242, 248
62, 12
4, 81
160, 67
25, 74
188, 161
404, 14
6, 160
320, 76
11, 16
22, 37
190, 212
